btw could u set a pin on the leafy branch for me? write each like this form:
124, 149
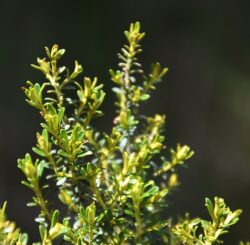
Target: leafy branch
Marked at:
221, 219
114, 186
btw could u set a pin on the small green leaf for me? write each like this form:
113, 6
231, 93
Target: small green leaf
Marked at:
55, 218
38, 152
43, 232
61, 181
84, 154
145, 97
60, 115
40, 168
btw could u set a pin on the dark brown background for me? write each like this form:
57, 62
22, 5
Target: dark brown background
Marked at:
206, 95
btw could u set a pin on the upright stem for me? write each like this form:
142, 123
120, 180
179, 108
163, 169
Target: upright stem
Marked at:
96, 192
53, 163
90, 235
138, 234
42, 202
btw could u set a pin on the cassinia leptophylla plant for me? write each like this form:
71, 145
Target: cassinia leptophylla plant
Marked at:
114, 186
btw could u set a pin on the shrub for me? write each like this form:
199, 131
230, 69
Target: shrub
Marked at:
112, 188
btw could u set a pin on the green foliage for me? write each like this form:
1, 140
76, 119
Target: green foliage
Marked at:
221, 219
9, 233
114, 186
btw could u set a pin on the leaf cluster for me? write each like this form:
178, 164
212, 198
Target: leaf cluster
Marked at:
221, 219
112, 188
9, 233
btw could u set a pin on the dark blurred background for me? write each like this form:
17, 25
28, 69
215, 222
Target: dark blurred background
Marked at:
206, 94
